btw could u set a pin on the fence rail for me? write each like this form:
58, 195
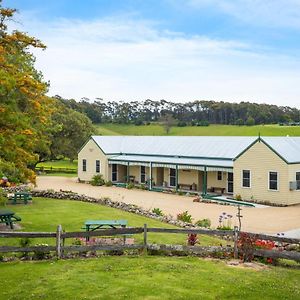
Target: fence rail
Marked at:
56, 169
60, 237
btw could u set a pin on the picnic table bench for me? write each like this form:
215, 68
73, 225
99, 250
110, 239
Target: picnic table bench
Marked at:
8, 217
20, 196
92, 225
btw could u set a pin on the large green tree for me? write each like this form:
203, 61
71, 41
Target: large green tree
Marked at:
25, 110
71, 130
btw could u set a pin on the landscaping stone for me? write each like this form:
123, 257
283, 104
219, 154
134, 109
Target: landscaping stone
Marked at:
69, 195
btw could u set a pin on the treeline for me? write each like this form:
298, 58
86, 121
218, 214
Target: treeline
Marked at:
197, 112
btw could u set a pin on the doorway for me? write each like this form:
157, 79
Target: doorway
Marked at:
230, 182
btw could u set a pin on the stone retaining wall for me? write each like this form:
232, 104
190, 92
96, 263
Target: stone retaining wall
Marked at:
69, 195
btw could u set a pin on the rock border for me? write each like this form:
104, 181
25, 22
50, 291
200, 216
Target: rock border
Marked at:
106, 201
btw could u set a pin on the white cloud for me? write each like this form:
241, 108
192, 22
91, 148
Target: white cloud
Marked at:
270, 13
123, 59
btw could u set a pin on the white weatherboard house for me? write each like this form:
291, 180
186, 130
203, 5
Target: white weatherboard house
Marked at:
263, 169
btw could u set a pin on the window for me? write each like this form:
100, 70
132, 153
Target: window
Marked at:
114, 172
219, 175
172, 177
84, 165
273, 181
246, 178
143, 174
298, 180
97, 166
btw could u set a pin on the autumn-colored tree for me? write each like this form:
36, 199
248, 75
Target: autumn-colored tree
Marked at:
25, 110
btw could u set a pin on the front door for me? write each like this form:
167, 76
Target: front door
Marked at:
230, 182
172, 177
114, 172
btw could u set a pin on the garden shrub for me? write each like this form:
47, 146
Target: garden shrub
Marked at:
266, 245
108, 183
206, 223
41, 254
115, 252
246, 246
97, 180
25, 242
144, 186
130, 186
3, 198
192, 239
238, 197
185, 217
157, 211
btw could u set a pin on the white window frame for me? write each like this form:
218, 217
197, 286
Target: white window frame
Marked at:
296, 180
250, 180
273, 171
218, 176
84, 165
145, 174
98, 160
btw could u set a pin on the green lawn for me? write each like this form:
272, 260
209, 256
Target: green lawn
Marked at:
63, 163
144, 277
45, 214
130, 277
218, 130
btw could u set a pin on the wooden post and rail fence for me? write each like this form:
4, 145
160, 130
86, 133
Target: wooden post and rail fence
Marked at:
60, 248
56, 169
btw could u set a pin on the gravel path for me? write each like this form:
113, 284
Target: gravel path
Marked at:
269, 220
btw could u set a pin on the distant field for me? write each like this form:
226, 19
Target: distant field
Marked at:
218, 130
64, 163
58, 167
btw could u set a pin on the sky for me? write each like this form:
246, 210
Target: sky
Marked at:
177, 50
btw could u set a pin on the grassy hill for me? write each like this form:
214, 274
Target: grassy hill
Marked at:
218, 130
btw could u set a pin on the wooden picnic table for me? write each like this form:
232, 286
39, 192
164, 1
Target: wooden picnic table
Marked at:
7, 217
92, 225
23, 196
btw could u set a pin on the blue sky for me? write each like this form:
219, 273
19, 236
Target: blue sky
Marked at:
243, 50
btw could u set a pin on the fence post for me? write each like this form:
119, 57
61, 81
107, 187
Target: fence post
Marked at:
235, 237
58, 241
145, 238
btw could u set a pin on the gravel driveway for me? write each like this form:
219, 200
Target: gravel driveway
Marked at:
261, 220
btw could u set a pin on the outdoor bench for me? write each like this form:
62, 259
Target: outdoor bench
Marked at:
215, 189
20, 196
189, 187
